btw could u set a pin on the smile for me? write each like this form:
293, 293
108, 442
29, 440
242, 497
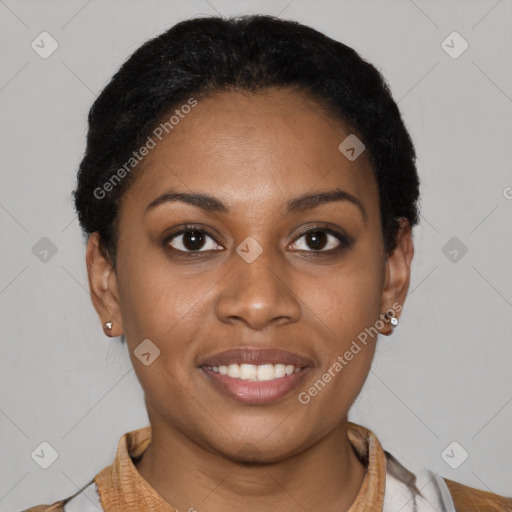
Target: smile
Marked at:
257, 373
251, 390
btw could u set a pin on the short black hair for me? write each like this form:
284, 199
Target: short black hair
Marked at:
200, 56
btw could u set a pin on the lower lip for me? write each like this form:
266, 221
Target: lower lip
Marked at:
254, 392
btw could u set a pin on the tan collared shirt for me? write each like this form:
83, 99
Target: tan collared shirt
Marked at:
123, 489
386, 487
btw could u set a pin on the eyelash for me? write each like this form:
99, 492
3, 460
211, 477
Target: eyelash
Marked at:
345, 240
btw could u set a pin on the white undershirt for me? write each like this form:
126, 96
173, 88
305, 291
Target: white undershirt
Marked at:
398, 497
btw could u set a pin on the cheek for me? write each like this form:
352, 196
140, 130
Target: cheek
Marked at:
344, 310
156, 306
347, 299
169, 309
156, 299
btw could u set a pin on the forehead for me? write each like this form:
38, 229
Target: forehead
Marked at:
252, 150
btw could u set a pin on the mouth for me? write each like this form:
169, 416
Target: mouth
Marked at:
258, 373
255, 376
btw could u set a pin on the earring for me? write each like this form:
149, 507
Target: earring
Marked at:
108, 326
391, 318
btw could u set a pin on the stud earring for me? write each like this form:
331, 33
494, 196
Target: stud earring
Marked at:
108, 326
392, 318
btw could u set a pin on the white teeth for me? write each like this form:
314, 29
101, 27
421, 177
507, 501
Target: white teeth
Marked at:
260, 373
248, 371
280, 370
234, 371
266, 372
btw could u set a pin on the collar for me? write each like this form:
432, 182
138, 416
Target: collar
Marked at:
122, 488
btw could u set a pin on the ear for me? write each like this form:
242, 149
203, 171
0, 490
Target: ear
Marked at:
398, 274
103, 286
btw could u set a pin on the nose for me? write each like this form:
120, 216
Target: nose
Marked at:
259, 293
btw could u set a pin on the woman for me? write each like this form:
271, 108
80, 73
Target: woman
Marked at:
248, 194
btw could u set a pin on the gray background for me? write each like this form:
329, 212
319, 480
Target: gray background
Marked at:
444, 376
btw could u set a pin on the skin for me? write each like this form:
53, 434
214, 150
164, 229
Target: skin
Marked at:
254, 152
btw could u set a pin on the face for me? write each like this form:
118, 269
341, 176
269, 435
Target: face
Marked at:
252, 295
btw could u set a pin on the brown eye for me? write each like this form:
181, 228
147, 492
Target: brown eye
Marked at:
321, 240
316, 239
191, 240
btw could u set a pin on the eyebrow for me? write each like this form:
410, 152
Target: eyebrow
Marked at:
305, 202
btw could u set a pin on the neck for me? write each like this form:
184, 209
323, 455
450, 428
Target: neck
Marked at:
327, 476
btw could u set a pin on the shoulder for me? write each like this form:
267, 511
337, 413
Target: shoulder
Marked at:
57, 506
469, 499
85, 499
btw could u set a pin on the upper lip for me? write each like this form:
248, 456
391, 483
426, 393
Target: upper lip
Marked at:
255, 356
